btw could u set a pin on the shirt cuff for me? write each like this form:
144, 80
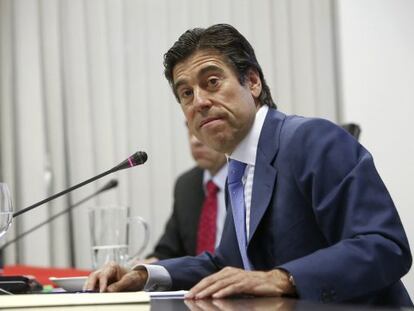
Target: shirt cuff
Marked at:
159, 278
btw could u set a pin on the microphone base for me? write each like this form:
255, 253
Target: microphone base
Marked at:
19, 284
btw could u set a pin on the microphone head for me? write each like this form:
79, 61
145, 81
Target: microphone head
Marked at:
138, 158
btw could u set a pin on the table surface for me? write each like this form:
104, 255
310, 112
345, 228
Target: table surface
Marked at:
169, 304
262, 304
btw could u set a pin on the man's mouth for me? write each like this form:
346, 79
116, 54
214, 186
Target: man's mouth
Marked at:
208, 120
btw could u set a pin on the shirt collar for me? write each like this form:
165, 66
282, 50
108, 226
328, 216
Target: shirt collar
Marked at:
219, 179
246, 150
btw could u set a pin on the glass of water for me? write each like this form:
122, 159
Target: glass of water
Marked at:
6, 209
111, 228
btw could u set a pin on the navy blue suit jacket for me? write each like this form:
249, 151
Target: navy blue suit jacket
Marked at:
320, 211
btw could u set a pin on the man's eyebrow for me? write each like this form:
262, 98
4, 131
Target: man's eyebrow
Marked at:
202, 72
208, 68
179, 83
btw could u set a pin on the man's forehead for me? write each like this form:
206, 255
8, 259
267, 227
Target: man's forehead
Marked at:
197, 62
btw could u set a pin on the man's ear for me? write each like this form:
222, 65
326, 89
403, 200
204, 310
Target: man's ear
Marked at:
254, 83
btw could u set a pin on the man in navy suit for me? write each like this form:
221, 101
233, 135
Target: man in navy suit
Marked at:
317, 221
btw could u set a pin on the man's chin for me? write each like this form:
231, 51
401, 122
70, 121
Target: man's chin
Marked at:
204, 164
216, 141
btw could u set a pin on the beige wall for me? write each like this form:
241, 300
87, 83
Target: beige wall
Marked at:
376, 49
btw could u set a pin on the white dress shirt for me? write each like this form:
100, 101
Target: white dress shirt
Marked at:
246, 152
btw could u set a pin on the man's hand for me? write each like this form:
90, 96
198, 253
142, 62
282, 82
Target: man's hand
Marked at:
232, 281
114, 278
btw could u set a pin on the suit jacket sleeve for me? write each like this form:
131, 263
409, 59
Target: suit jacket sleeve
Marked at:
367, 249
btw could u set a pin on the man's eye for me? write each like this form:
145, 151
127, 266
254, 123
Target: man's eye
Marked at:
213, 82
186, 93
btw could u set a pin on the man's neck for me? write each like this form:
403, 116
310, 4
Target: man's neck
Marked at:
246, 150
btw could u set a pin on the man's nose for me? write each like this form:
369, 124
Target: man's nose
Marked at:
201, 98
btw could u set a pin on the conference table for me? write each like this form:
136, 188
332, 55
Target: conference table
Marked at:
141, 301
230, 304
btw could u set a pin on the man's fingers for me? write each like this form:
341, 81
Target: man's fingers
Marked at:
100, 279
215, 282
232, 289
110, 273
103, 282
132, 281
90, 283
206, 282
124, 284
232, 281
217, 286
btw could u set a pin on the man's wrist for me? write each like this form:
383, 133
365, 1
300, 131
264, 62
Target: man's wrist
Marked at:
143, 274
156, 277
286, 282
292, 280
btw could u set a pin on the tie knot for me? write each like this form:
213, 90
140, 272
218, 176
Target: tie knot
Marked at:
212, 188
236, 171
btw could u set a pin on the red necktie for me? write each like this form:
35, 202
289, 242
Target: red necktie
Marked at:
206, 235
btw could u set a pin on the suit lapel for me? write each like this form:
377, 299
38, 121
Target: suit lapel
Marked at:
265, 174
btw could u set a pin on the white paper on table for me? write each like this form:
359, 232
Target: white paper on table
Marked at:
178, 294
78, 299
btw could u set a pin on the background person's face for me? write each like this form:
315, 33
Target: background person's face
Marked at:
219, 110
206, 158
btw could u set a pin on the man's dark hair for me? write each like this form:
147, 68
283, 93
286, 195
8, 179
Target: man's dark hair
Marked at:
225, 39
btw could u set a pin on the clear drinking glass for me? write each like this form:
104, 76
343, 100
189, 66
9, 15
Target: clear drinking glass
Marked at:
111, 228
6, 209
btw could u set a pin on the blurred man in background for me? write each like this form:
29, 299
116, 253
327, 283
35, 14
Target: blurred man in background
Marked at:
199, 210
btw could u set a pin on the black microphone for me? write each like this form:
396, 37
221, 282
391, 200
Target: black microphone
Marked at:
137, 158
113, 183
109, 185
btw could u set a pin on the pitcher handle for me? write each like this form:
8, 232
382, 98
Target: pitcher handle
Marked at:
145, 242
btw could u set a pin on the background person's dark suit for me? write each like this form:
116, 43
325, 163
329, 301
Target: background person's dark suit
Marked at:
180, 234
320, 211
